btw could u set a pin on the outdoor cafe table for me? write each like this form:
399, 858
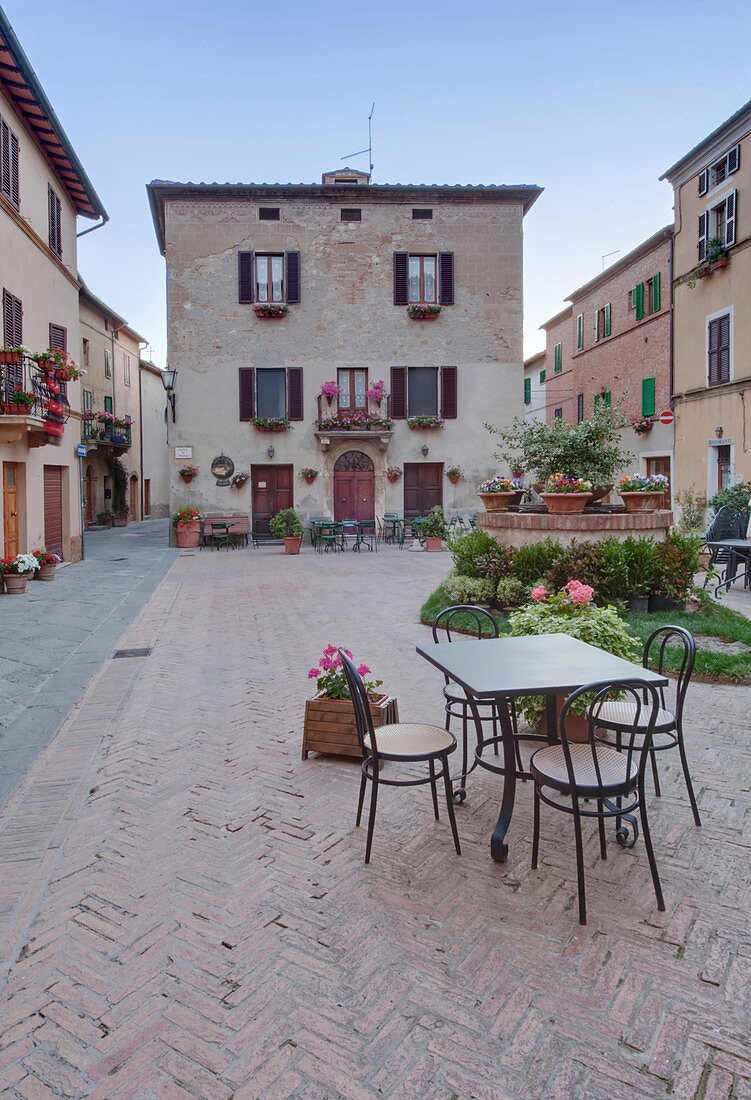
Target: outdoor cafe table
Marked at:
499, 669
739, 551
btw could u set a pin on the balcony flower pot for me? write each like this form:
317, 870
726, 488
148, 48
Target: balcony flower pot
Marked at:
500, 502
292, 544
722, 261
565, 504
188, 534
641, 502
15, 585
423, 312
330, 724
270, 312
10, 357
310, 478
187, 478
12, 408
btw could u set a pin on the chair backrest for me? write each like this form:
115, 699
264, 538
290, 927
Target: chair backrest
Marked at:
725, 524
363, 718
646, 701
655, 647
449, 615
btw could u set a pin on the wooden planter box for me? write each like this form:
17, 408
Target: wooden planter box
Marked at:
330, 725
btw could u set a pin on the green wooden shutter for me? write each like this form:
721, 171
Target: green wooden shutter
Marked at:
580, 331
597, 400
558, 357
597, 325
656, 293
108, 404
647, 396
607, 319
639, 301
527, 391
607, 399
542, 377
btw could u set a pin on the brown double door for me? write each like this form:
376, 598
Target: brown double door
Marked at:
10, 509
354, 487
271, 492
423, 487
53, 509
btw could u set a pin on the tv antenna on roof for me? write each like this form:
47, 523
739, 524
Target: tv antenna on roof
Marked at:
369, 149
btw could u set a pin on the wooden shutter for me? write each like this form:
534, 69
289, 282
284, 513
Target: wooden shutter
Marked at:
245, 277
703, 234
638, 299
58, 338
719, 350
704, 181
597, 325
446, 277
580, 331
247, 393
12, 320
8, 163
527, 391
294, 393
656, 293
734, 159
731, 204
292, 277
55, 235
449, 393
401, 292
398, 393
647, 396
558, 359
608, 314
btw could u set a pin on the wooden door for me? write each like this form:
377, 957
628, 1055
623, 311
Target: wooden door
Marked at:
89, 486
146, 497
661, 466
53, 509
354, 487
423, 487
133, 502
10, 509
271, 492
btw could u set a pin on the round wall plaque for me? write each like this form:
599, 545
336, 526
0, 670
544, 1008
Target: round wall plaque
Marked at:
222, 468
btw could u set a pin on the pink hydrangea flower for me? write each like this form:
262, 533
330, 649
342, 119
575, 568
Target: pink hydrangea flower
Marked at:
540, 592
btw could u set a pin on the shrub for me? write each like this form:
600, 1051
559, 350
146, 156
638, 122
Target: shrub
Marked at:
642, 565
434, 525
533, 562
496, 562
462, 589
466, 548
678, 559
286, 524
693, 505
737, 495
510, 592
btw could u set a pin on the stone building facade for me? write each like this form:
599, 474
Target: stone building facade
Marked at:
154, 446
347, 259
712, 291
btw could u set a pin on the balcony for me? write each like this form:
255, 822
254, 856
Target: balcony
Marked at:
359, 424
24, 400
106, 436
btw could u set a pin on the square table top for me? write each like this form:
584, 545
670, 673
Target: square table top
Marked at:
539, 664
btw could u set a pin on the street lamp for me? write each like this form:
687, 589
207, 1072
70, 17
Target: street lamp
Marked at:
425, 449
168, 381
271, 452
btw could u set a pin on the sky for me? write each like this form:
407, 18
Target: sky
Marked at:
591, 101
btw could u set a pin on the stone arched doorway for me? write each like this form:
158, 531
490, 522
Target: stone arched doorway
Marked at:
133, 502
354, 487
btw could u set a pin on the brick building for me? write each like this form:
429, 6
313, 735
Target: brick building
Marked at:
349, 260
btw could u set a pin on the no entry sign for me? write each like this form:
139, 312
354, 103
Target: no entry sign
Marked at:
666, 417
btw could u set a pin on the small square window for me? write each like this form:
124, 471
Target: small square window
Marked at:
558, 414
422, 215
268, 213
351, 215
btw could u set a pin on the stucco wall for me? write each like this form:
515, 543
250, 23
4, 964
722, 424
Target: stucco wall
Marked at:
154, 435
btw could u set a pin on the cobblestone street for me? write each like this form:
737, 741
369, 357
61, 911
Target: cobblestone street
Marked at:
186, 913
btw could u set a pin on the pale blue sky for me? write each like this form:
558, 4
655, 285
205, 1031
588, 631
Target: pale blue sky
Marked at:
592, 101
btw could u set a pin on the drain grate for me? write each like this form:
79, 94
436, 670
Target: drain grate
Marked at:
132, 652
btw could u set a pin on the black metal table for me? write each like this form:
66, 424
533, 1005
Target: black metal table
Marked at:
505, 668
739, 550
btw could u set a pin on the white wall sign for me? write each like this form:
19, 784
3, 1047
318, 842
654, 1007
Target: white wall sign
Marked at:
183, 452
728, 441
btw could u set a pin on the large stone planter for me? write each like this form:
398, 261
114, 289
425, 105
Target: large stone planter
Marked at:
565, 504
647, 501
500, 502
292, 544
15, 586
188, 534
46, 573
330, 724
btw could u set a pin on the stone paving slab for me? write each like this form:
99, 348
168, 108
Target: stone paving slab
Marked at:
186, 911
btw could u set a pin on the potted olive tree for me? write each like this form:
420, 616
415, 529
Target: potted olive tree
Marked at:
286, 525
434, 528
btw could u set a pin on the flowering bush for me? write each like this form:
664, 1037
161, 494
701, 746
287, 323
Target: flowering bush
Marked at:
20, 566
239, 480
185, 515
393, 473
419, 311
636, 483
376, 391
331, 389
496, 562
44, 557
557, 483
354, 422
269, 309
501, 485
189, 471
331, 681
425, 421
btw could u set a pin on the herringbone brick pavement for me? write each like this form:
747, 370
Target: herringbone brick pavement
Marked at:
185, 910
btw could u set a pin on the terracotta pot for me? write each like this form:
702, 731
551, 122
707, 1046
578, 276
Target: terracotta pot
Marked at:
565, 504
576, 724
46, 572
423, 316
393, 478
454, 478
188, 534
292, 544
187, 477
10, 408
433, 543
120, 521
641, 502
310, 478
10, 357
500, 502
14, 586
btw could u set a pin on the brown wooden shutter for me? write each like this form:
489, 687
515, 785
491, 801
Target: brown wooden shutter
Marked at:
294, 393
4, 158
448, 393
703, 234
731, 213
446, 275
17, 323
398, 393
8, 319
14, 190
247, 393
292, 276
53, 509
719, 350
401, 291
704, 181
245, 280
58, 338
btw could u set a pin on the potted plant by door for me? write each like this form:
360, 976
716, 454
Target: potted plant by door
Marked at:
330, 717
46, 565
453, 473
286, 525
105, 518
17, 571
393, 473
309, 474
434, 529
186, 522
19, 403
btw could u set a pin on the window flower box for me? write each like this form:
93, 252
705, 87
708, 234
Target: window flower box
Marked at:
271, 423
416, 422
354, 422
420, 312
270, 312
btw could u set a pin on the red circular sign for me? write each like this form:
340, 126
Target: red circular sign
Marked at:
666, 417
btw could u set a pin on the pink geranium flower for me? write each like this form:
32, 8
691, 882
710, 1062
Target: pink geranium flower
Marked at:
539, 593
314, 673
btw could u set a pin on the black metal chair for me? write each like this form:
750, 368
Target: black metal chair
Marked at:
401, 742
220, 536
729, 523
590, 779
617, 716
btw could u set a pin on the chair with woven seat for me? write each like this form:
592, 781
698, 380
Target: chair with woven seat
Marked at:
617, 716
400, 742
591, 779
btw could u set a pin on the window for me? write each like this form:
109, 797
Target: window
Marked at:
527, 391
12, 320
9, 164
654, 293
87, 399
648, 397
718, 350
602, 322
351, 215
58, 338
273, 391
353, 384
107, 363
604, 397
423, 278
558, 414
425, 391
126, 368
85, 352
268, 277
268, 213
108, 403
579, 408
718, 172
717, 223
56, 239
557, 358
580, 332
422, 215
542, 377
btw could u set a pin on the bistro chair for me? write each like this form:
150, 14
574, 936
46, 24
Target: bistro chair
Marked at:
729, 523
402, 743
590, 779
366, 535
617, 716
349, 533
220, 536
